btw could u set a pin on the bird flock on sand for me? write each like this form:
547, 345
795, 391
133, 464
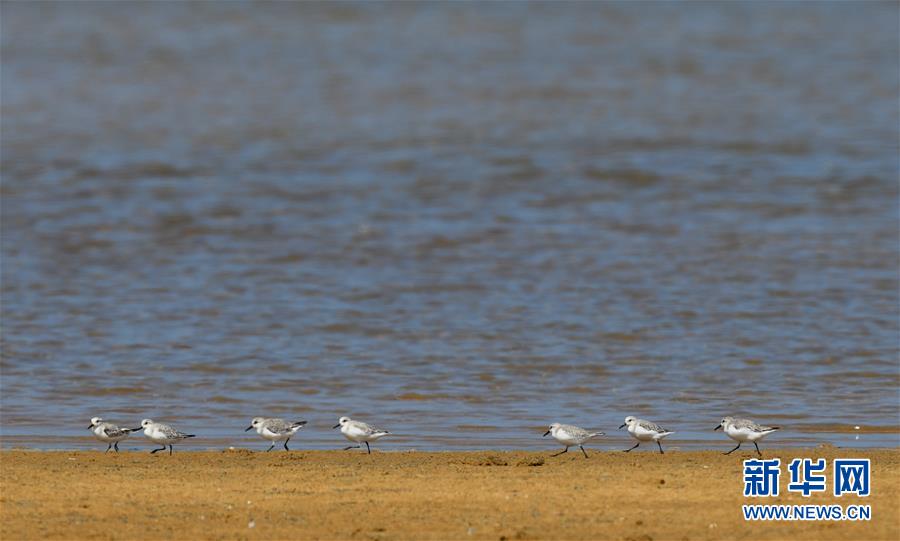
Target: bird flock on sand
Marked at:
358, 432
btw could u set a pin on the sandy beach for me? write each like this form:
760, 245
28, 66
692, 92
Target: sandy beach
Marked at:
239, 494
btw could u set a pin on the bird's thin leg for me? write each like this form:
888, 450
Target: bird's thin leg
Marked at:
660, 447
170, 449
107, 448
116, 447
351, 447
583, 451
733, 450
561, 452
368, 449
632, 448
286, 448
757, 449
163, 448
270, 448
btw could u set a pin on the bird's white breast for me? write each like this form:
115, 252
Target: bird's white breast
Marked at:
564, 437
101, 435
155, 434
353, 432
272, 436
640, 433
739, 434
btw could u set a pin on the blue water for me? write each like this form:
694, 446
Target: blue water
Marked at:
459, 222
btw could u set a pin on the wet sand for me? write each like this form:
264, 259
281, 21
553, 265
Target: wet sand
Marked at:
239, 494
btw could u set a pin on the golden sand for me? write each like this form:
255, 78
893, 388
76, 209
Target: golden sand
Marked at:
414, 495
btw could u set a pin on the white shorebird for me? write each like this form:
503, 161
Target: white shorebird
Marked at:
109, 433
642, 430
744, 430
359, 432
275, 430
162, 435
569, 435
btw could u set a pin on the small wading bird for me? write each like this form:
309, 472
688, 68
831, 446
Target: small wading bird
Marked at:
569, 435
109, 433
275, 430
642, 430
744, 430
359, 432
161, 434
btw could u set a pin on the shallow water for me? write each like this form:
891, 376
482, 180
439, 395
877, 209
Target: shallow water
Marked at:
461, 222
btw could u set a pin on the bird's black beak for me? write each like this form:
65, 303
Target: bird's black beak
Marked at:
91, 425
623, 425
336, 426
545, 434
716, 428
136, 429
248, 428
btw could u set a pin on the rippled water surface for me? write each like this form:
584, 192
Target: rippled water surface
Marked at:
460, 222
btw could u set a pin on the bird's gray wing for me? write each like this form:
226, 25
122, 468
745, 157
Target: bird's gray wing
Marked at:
277, 426
653, 427
748, 424
374, 430
113, 431
577, 432
170, 432
582, 433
